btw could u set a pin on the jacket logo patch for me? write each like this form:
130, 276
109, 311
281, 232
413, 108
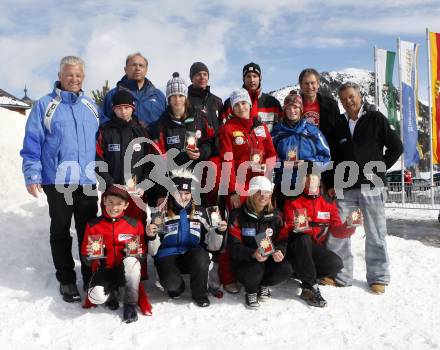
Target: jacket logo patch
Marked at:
195, 225
248, 231
239, 140
323, 215
269, 232
198, 134
343, 140
260, 132
172, 140
124, 236
237, 133
136, 147
114, 147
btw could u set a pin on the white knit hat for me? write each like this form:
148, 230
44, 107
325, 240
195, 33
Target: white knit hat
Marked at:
240, 95
176, 86
260, 183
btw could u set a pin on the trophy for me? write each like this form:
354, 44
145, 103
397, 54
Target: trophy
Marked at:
292, 154
158, 219
301, 221
133, 246
131, 185
213, 216
190, 141
96, 244
355, 218
256, 160
264, 243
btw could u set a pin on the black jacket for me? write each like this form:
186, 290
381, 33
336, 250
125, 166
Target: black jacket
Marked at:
113, 142
173, 132
371, 135
244, 225
208, 105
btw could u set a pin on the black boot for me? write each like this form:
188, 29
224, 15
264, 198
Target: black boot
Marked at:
130, 313
313, 296
112, 303
70, 293
175, 294
202, 302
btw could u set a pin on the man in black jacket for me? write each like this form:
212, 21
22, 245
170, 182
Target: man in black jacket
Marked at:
361, 136
319, 110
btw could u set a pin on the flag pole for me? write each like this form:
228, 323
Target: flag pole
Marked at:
376, 97
401, 124
431, 160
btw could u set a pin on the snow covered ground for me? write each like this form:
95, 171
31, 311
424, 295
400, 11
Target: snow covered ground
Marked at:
33, 315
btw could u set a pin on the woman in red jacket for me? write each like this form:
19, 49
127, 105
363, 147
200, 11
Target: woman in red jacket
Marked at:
247, 145
309, 219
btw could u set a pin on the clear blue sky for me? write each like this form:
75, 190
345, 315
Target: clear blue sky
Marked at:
282, 36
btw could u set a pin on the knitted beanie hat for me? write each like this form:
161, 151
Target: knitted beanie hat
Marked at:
124, 98
239, 95
176, 86
197, 67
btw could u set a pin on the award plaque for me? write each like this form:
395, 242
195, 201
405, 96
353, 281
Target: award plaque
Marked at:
158, 219
355, 218
257, 160
214, 216
301, 221
292, 154
190, 141
131, 185
96, 244
133, 246
264, 243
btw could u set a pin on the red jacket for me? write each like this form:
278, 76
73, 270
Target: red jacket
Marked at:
323, 218
244, 137
115, 232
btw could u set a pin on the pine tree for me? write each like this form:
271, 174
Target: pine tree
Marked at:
98, 95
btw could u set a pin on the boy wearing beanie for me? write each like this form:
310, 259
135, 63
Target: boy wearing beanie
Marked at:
265, 108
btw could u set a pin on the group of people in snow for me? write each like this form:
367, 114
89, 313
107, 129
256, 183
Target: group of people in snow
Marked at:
246, 193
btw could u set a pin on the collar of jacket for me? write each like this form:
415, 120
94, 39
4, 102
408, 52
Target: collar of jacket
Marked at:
132, 85
296, 128
248, 124
311, 196
198, 92
67, 96
172, 120
109, 218
120, 123
263, 216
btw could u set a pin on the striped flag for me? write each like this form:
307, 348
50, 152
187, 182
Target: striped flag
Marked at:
408, 55
434, 46
386, 93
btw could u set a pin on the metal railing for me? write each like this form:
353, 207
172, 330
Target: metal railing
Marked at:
412, 196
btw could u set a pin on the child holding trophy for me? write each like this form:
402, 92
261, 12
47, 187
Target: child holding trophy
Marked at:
182, 247
114, 245
246, 145
310, 218
296, 141
115, 139
257, 251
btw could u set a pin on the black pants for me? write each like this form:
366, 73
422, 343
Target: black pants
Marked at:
253, 274
311, 261
195, 262
83, 209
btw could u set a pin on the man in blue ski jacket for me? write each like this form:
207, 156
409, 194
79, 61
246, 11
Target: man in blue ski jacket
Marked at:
150, 102
58, 154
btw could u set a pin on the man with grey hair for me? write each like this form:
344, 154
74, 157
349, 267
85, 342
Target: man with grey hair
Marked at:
365, 138
150, 102
58, 154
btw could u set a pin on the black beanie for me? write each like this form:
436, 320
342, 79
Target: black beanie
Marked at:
123, 97
251, 67
197, 67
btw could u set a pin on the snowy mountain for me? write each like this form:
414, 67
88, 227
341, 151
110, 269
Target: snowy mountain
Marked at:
330, 83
